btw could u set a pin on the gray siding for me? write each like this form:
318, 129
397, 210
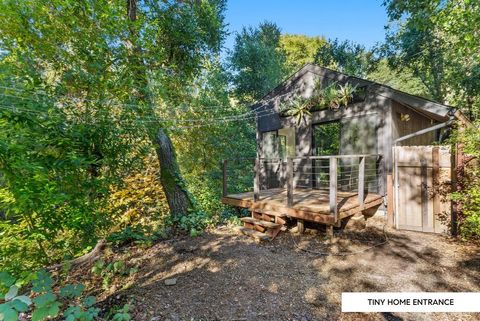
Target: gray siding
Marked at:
368, 127
415, 122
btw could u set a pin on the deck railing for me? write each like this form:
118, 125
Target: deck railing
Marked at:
334, 174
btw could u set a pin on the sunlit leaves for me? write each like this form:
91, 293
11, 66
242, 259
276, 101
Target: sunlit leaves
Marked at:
257, 62
43, 282
71, 290
6, 279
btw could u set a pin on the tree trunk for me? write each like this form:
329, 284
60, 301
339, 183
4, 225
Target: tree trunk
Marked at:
178, 198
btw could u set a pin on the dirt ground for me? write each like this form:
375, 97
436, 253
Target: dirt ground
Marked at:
225, 276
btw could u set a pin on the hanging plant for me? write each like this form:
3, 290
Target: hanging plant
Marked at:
299, 108
332, 96
345, 93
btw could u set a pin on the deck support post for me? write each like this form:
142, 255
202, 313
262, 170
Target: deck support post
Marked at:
301, 226
361, 182
333, 187
289, 182
256, 181
330, 232
225, 187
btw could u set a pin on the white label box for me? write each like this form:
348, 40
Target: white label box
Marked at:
411, 302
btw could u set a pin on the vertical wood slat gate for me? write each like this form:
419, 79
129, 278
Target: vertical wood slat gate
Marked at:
420, 174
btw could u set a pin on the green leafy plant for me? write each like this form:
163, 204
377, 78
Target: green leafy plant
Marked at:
194, 223
345, 93
330, 96
469, 197
107, 271
130, 234
13, 303
43, 302
122, 314
298, 108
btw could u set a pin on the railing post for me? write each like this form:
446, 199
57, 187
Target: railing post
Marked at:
225, 177
333, 187
289, 182
361, 181
256, 181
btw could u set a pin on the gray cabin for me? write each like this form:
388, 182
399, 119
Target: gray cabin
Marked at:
333, 161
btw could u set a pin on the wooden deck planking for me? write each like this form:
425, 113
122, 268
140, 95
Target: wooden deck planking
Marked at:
309, 204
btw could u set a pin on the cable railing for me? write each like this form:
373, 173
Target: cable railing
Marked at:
360, 174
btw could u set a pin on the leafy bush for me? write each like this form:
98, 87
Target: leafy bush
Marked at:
139, 199
43, 302
130, 234
107, 271
469, 198
194, 222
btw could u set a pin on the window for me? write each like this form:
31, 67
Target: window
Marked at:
270, 145
326, 138
279, 144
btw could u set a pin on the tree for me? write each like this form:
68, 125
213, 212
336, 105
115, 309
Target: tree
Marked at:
201, 34
436, 40
300, 50
416, 47
202, 146
347, 57
403, 80
257, 62
87, 87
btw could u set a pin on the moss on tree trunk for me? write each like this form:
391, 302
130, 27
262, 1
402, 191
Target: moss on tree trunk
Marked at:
178, 198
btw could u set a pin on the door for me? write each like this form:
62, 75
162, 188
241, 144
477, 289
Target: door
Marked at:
277, 146
326, 142
419, 172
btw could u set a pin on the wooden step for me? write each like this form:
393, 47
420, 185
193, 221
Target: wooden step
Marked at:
266, 211
255, 234
255, 221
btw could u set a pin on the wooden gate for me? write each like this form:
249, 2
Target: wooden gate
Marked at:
422, 176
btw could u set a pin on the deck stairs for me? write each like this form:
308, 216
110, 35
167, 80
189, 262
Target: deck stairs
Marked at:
263, 225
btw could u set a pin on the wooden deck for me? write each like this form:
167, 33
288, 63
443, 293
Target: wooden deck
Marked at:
308, 204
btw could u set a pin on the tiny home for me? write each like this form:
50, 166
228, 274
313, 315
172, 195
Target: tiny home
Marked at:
326, 146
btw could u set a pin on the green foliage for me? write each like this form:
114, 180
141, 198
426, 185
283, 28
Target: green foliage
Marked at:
74, 121
108, 271
71, 291
347, 57
44, 304
122, 314
469, 197
50, 195
403, 79
201, 150
13, 303
257, 62
327, 138
130, 234
332, 96
298, 108
435, 40
194, 222
345, 93
300, 50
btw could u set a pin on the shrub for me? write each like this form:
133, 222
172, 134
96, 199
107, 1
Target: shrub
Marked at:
469, 197
45, 303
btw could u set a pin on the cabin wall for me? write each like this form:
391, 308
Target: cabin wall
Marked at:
362, 133
406, 121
